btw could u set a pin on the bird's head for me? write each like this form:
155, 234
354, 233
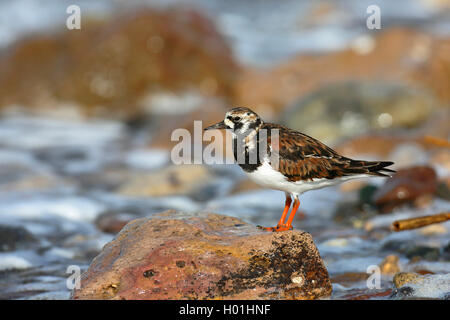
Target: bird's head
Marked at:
241, 121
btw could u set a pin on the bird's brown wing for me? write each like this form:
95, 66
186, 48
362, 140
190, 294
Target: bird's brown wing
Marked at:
301, 157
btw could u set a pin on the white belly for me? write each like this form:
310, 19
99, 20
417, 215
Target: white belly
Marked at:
268, 177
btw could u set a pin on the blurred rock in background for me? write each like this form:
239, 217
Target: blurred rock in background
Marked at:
119, 66
366, 107
394, 55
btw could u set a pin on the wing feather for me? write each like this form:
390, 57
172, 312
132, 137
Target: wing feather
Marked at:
301, 157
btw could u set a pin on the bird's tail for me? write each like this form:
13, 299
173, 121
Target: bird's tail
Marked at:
374, 168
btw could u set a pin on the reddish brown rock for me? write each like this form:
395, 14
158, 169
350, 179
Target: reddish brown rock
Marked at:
175, 255
409, 185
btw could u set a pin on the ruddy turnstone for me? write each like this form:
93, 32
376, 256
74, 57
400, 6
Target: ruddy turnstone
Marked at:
295, 164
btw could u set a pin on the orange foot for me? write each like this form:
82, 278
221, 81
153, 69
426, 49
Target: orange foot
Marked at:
278, 228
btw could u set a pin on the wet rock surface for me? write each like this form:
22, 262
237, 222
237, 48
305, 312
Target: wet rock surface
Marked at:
174, 255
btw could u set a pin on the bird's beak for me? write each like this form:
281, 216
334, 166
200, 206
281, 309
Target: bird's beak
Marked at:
220, 125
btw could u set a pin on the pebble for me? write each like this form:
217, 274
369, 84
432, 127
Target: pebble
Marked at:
390, 265
12, 238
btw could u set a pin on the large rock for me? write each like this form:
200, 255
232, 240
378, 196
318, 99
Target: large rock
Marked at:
175, 255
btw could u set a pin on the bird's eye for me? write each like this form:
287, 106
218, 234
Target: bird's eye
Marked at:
237, 118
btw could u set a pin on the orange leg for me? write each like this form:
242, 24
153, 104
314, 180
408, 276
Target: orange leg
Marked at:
293, 212
281, 226
287, 205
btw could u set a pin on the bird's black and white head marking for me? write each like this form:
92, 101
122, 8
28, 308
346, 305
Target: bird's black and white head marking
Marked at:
242, 120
